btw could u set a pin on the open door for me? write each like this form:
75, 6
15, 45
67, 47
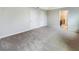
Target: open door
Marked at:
63, 17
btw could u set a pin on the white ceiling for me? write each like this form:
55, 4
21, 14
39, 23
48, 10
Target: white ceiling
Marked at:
49, 8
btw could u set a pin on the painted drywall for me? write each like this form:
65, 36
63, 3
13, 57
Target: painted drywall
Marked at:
20, 19
38, 18
53, 19
73, 17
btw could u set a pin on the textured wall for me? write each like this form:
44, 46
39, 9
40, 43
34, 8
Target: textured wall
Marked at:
16, 20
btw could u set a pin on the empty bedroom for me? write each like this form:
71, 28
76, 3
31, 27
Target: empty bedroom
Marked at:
39, 28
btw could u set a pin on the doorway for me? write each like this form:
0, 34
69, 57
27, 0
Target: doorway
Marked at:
63, 18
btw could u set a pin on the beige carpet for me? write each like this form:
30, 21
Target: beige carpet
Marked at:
41, 39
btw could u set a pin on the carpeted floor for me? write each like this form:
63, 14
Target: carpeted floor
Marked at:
41, 39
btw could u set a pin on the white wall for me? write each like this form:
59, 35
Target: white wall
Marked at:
73, 17
38, 18
17, 20
53, 19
